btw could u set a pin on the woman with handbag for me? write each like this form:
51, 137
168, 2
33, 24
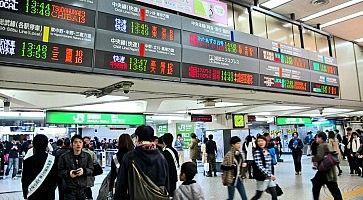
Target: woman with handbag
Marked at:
262, 170
234, 168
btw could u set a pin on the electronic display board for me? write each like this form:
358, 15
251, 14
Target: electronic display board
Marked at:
142, 13
134, 45
281, 58
284, 71
325, 68
201, 118
284, 83
117, 63
323, 89
24, 51
34, 28
204, 74
138, 28
216, 44
205, 57
50, 10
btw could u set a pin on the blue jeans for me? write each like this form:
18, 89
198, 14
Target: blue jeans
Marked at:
241, 189
13, 163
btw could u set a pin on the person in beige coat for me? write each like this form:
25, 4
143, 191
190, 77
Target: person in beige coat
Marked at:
193, 147
334, 144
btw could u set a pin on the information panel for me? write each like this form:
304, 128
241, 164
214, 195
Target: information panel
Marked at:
213, 75
130, 64
44, 30
282, 58
50, 10
284, 83
30, 52
138, 28
87, 118
280, 121
323, 89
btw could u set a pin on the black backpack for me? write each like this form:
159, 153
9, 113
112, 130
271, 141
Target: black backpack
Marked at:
257, 174
141, 187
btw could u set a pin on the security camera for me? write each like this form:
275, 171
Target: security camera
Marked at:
321, 111
126, 85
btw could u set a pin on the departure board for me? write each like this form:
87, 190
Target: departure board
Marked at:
323, 89
218, 75
118, 62
282, 58
25, 50
325, 68
50, 10
284, 83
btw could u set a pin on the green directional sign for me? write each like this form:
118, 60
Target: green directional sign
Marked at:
292, 120
161, 129
88, 118
185, 129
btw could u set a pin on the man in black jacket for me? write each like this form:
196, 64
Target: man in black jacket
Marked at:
74, 167
171, 156
13, 149
211, 149
149, 160
33, 172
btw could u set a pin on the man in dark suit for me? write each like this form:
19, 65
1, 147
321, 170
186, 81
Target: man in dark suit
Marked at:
39, 178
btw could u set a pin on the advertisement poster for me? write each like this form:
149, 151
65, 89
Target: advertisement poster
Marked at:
213, 10
218, 138
185, 129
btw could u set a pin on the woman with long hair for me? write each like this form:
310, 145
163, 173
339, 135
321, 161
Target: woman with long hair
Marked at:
125, 145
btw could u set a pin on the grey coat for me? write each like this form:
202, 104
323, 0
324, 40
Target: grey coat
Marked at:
189, 190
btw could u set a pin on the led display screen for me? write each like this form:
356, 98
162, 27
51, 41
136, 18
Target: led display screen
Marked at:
138, 28
320, 67
216, 44
281, 58
284, 83
50, 10
136, 64
222, 75
280, 121
324, 89
44, 52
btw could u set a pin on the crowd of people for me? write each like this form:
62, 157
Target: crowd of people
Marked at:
146, 167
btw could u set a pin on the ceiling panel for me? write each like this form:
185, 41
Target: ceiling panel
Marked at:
337, 14
303, 8
349, 30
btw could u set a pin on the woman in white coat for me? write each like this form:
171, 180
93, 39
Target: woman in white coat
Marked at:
248, 147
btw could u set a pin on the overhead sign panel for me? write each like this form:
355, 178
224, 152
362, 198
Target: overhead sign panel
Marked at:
201, 118
133, 11
88, 118
292, 120
213, 10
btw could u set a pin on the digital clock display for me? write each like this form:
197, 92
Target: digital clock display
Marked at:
136, 64
205, 73
138, 28
281, 58
44, 52
208, 42
53, 10
320, 67
324, 89
284, 83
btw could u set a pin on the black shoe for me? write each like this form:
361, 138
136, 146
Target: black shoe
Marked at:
340, 172
215, 174
351, 173
209, 175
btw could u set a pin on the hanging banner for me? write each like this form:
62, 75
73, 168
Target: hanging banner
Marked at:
185, 129
212, 10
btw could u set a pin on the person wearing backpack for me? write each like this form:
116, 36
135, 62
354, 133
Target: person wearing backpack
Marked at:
296, 146
144, 163
233, 169
171, 156
262, 170
327, 177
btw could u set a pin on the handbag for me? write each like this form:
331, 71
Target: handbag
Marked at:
206, 167
279, 191
328, 162
97, 169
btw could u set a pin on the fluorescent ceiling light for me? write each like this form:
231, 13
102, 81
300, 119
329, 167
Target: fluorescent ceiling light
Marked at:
330, 10
358, 14
274, 3
359, 40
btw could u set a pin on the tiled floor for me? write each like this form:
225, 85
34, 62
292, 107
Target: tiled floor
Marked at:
294, 187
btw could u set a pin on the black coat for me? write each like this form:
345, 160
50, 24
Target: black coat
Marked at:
67, 162
299, 147
211, 147
150, 161
173, 175
31, 168
114, 170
